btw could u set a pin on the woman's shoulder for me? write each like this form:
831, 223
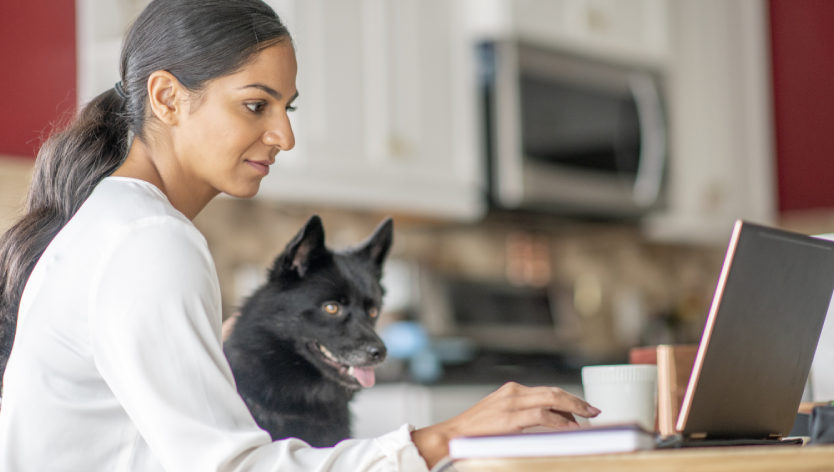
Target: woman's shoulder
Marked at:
120, 205
131, 199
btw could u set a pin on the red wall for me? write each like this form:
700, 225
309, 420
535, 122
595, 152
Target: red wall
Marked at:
37, 70
802, 37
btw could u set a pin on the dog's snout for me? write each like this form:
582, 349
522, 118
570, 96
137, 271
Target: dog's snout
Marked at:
376, 353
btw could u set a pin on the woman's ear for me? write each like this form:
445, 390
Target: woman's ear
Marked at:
166, 96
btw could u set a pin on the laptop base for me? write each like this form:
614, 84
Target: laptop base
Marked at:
679, 442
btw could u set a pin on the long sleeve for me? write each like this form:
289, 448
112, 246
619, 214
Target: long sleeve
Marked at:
154, 328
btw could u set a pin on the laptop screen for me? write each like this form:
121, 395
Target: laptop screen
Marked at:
760, 336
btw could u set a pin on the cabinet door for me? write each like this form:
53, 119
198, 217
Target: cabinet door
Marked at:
624, 30
100, 29
721, 160
387, 116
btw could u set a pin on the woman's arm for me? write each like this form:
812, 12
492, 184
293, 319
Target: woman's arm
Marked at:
510, 409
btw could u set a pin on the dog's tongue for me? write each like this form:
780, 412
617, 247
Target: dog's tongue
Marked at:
363, 375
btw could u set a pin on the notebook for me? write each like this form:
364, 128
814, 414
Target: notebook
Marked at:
767, 313
572, 442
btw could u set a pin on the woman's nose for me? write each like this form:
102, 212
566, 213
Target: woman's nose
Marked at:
280, 135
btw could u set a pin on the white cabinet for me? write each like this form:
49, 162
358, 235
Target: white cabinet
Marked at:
624, 27
388, 111
100, 27
721, 157
622, 30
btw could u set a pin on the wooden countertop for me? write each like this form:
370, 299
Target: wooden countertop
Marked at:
752, 459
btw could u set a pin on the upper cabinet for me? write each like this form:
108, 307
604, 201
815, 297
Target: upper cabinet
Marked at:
101, 26
721, 121
622, 30
387, 113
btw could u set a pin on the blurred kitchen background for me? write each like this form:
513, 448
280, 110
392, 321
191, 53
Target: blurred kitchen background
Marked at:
563, 174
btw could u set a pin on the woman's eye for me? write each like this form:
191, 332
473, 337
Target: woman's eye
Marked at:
332, 308
256, 107
291, 108
373, 312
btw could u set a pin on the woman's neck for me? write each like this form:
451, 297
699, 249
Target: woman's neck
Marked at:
160, 168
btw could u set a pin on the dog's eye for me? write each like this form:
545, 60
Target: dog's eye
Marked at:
373, 312
332, 308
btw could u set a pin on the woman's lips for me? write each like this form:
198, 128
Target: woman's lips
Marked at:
260, 166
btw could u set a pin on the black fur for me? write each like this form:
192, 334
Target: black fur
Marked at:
282, 375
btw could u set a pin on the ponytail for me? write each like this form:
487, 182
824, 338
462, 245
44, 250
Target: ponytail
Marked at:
69, 166
196, 41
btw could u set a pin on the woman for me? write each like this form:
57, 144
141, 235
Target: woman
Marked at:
117, 362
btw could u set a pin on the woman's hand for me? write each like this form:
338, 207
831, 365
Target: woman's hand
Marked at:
510, 409
229, 325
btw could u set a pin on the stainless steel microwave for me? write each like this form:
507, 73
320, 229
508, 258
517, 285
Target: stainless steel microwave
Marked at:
571, 134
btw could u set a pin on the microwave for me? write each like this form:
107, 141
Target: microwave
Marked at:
569, 134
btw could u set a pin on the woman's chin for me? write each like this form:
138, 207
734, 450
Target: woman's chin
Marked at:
248, 191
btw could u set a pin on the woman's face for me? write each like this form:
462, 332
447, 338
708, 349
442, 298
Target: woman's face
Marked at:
234, 129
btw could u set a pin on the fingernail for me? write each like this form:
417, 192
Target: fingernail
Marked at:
594, 411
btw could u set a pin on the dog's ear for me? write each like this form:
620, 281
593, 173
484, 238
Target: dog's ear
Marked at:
305, 247
376, 247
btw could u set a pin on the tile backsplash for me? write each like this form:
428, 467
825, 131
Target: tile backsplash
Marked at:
625, 291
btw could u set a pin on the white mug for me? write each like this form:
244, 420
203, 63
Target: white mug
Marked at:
624, 393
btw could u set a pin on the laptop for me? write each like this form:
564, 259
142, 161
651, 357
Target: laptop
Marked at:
760, 337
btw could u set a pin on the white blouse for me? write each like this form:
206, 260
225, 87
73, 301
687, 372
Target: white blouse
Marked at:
117, 362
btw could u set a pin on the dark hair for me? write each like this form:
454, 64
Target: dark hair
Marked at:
196, 41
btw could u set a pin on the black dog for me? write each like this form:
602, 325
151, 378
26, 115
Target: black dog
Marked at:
305, 342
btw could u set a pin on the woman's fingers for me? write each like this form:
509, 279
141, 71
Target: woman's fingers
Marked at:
552, 398
571, 419
512, 408
548, 418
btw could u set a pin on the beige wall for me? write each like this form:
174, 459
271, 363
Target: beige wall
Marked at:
15, 173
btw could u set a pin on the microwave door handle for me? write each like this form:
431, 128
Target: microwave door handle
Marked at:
652, 139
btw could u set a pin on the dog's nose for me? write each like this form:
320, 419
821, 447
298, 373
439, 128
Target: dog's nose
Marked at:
376, 353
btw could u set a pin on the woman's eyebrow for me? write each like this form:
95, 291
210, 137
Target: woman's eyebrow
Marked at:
271, 91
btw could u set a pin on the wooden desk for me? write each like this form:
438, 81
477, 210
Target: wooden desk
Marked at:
752, 459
